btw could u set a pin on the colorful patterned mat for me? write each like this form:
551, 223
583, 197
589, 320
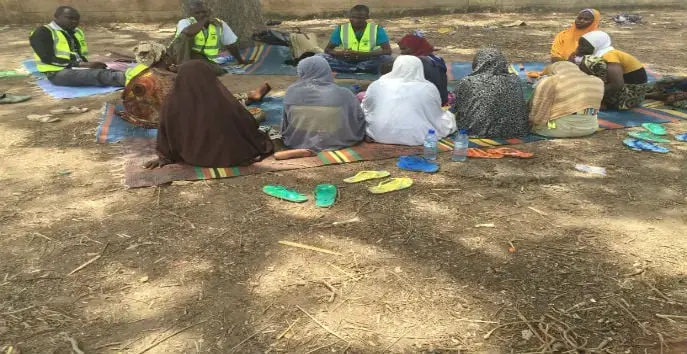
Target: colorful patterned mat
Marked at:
139, 150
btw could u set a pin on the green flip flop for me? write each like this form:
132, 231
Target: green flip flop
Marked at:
284, 193
647, 136
655, 128
325, 195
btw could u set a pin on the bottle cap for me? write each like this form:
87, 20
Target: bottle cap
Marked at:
463, 131
431, 131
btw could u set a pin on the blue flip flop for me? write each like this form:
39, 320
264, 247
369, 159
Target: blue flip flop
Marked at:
681, 137
641, 145
416, 164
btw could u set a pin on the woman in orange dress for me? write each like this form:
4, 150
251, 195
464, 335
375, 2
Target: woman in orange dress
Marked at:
565, 44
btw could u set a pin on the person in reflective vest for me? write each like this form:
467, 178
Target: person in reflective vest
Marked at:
60, 46
202, 37
359, 45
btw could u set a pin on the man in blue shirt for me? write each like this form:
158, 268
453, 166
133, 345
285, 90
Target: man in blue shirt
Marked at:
358, 46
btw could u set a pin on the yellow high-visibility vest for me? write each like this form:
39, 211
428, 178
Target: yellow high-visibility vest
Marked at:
133, 72
209, 45
366, 44
62, 50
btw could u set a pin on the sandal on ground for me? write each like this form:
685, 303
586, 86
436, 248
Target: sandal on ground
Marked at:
363, 176
476, 153
416, 164
284, 193
641, 145
325, 195
511, 152
391, 185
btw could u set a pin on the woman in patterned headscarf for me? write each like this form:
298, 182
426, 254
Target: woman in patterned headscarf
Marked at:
490, 101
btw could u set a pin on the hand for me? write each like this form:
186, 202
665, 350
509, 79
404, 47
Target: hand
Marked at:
152, 164
173, 68
93, 65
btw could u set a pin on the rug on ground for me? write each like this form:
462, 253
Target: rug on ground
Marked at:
139, 150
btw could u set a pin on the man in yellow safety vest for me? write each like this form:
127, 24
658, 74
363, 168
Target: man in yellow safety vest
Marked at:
60, 47
358, 46
203, 37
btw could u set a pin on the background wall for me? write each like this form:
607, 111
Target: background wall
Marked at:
30, 11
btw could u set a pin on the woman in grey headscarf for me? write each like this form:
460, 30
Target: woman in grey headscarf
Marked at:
318, 114
490, 101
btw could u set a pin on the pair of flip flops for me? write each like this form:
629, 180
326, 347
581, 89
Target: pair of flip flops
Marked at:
646, 140
386, 186
498, 153
325, 194
642, 145
417, 164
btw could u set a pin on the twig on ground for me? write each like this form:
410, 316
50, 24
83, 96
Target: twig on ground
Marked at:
447, 189
534, 331
342, 271
322, 325
43, 236
322, 347
396, 341
183, 218
307, 247
661, 294
475, 321
248, 338
640, 324
280, 336
89, 261
16, 311
663, 342
538, 211
344, 222
488, 335
170, 336
107, 345
74, 343
671, 317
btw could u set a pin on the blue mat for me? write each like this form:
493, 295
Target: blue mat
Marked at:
112, 128
63, 91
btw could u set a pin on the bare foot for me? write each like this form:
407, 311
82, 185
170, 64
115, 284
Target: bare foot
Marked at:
293, 154
259, 94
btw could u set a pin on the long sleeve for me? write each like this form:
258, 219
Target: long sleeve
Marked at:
44, 46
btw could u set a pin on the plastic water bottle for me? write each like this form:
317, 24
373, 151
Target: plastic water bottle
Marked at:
460, 147
431, 145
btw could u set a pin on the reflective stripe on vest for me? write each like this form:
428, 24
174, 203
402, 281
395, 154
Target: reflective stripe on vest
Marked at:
62, 49
367, 43
133, 72
208, 45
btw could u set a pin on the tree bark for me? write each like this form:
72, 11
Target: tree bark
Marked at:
243, 16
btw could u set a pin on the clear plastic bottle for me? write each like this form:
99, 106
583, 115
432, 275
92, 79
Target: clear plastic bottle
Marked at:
460, 146
431, 145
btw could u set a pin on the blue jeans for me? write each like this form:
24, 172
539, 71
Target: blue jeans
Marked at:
366, 66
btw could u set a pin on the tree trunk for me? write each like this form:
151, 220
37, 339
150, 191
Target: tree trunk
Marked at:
243, 16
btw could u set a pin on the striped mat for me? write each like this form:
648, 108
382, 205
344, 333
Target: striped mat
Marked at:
139, 150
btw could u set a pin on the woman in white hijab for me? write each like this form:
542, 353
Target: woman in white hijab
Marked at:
624, 76
401, 107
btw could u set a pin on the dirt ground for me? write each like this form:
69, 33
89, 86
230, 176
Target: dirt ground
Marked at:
599, 265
